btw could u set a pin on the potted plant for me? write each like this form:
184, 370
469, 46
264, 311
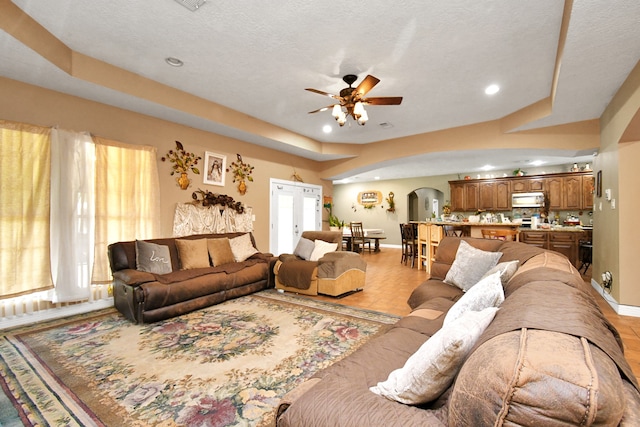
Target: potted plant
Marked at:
183, 162
334, 222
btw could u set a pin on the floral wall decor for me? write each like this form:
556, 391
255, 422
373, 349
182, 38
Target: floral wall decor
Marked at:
181, 163
241, 172
211, 199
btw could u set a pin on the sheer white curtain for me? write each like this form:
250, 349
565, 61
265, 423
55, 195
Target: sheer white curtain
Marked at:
72, 214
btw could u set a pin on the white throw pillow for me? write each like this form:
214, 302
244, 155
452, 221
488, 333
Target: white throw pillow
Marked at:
304, 248
488, 292
506, 270
470, 265
242, 247
431, 369
320, 248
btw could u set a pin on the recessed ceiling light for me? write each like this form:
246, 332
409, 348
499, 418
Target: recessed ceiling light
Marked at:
492, 89
326, 129
537, 162
376, 177
487, 167
174, 62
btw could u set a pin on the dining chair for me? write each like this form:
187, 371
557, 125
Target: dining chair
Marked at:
358, 240
511, 235
457, 230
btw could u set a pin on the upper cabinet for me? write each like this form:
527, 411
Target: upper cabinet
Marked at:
564, 191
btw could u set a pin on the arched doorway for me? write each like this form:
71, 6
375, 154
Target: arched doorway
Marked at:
422, 202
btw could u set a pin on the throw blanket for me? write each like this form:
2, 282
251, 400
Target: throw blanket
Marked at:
552, 300
182, 275
297, 273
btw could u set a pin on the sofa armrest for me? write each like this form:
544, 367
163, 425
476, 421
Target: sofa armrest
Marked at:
133, 277
333, 264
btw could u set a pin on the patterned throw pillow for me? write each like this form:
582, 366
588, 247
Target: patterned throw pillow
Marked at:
242, 247
431, 369
470, 265
506, 270
193, 253
153, 258
488, 292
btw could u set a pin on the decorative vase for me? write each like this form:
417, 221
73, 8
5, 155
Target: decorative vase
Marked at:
183, 181
242, 187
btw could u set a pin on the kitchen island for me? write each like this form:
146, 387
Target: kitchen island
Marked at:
565, 240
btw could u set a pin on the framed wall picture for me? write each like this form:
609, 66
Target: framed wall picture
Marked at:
599, 184
214, 167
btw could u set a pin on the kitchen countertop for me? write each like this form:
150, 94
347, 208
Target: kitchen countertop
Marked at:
553, 228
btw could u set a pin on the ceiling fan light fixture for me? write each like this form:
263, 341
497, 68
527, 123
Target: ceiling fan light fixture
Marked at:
358, 109
192, 5
363, 117
336, 111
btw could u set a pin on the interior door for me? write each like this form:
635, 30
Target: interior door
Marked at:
295, 207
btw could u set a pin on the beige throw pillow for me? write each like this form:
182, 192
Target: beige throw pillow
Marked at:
431, 369
320, 248
470, 265
220, 251
242, 247
193, 253
488, 292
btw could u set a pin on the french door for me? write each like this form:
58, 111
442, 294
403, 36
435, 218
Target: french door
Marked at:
294, 207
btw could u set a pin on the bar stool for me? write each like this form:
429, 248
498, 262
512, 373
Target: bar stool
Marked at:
586, 254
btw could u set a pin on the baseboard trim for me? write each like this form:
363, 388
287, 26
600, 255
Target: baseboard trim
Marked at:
54, 313
623, 310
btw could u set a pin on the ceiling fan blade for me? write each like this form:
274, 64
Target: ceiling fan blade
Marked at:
384, 100
322, 93
328, 107
367, 84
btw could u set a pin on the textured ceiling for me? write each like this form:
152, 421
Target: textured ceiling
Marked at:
257, 58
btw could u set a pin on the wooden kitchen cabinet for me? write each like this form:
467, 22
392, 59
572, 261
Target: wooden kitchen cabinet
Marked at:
535, 238
566, 243
527, 185
554, 189
572, 192
563, 191
494, 196
588, 187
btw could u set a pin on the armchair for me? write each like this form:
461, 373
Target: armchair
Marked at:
335, 273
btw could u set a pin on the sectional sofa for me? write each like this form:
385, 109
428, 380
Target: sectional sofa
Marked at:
537, 351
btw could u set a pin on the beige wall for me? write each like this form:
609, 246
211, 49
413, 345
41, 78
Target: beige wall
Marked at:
29, 104
617, 235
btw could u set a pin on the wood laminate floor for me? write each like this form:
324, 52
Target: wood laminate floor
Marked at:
389, 284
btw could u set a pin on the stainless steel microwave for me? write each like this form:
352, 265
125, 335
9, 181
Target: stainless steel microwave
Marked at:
527, 200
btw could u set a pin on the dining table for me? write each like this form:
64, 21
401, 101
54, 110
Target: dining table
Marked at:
375, 234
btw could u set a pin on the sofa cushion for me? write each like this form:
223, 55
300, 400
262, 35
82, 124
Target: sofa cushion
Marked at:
431, 369
488, 292
320, 248
470, 265
153, 258
242, 247
220, 251
193, 253
304, 248
433, 288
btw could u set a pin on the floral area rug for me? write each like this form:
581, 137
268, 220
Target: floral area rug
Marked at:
226, 365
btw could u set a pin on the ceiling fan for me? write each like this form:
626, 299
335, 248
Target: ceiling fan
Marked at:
353, 101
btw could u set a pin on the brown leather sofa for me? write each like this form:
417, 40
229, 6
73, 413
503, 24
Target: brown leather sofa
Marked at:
144, 297
548, 358
336, 273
